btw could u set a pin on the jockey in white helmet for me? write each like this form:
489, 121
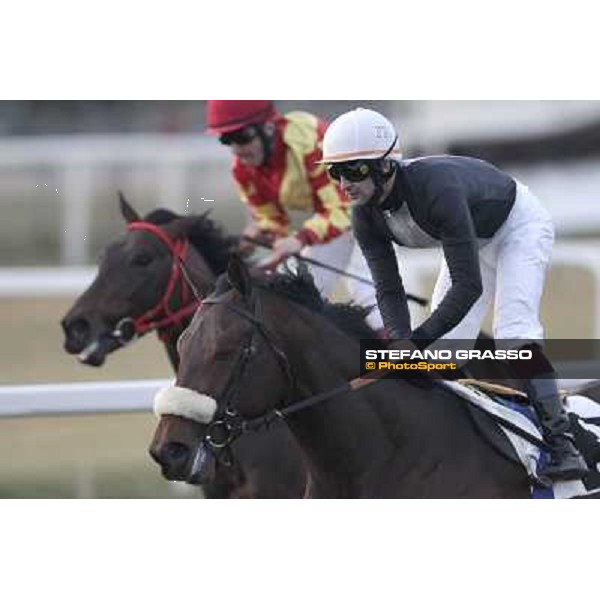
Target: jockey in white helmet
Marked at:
496, 239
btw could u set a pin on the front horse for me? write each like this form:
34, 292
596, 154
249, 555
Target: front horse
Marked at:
149, 280
256, 349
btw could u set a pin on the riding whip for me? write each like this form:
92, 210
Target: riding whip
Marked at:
317, 263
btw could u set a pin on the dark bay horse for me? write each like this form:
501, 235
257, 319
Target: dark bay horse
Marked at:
141, 286
258, 346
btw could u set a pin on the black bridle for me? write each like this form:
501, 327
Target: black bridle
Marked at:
230, 424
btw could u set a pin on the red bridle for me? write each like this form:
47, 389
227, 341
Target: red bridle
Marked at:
161, 315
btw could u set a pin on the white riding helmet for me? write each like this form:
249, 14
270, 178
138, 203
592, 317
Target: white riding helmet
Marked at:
360, 134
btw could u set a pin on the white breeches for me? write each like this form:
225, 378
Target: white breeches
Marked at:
513, 269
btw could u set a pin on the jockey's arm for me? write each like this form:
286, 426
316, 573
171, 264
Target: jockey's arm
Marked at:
381, 260
450, 214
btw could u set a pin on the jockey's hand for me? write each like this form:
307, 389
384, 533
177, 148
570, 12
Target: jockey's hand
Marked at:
282, 248
252, 230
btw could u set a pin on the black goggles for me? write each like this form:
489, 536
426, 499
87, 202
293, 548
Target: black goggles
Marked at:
354, 171
240, 136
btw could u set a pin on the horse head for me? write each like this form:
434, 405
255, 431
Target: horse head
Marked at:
229, 360
143, 283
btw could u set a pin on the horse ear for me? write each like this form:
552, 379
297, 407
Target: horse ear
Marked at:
238, 274
128, 212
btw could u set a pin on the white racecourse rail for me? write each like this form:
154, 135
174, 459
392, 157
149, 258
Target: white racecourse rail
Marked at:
127, 396
79, 398
46, 282
96, 398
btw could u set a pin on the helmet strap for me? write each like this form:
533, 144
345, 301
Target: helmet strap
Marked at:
379, 177
389, 150
266, 134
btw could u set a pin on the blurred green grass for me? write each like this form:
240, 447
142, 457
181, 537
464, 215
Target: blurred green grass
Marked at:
31, 346
99, 456
103, 456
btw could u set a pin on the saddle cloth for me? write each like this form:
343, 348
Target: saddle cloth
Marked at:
584, 415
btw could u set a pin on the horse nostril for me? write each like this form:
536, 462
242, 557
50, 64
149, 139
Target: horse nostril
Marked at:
77, 333
78, 328
176, 452
171, 456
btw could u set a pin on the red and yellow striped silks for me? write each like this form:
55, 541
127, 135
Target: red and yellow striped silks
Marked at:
292, 181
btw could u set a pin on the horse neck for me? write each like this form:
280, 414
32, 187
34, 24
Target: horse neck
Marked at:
353, 442
344, 436
203, 279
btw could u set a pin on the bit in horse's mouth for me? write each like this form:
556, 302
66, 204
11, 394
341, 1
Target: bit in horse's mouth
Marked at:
203, 466
95, 353
87, 355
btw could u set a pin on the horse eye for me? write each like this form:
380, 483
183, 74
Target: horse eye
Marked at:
142, 259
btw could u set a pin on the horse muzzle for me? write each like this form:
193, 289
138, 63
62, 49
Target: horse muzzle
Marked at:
90, 339
179, 463
95, 353
77, 334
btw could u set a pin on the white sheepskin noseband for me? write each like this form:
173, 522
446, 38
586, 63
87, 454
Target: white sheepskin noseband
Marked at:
183, 402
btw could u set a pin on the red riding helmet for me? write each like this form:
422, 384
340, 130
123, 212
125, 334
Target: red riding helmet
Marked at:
223, 116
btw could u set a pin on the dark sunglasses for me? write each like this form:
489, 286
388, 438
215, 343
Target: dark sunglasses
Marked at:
351, 171
239, 136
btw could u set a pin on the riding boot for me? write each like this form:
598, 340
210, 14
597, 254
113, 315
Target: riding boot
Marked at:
565, 460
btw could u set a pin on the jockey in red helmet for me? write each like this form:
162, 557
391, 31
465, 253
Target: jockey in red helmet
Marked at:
245, 125
225, 116
276, 169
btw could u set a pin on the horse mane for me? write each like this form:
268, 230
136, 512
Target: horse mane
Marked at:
160, 216
348, 317
204, 234
299, 287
